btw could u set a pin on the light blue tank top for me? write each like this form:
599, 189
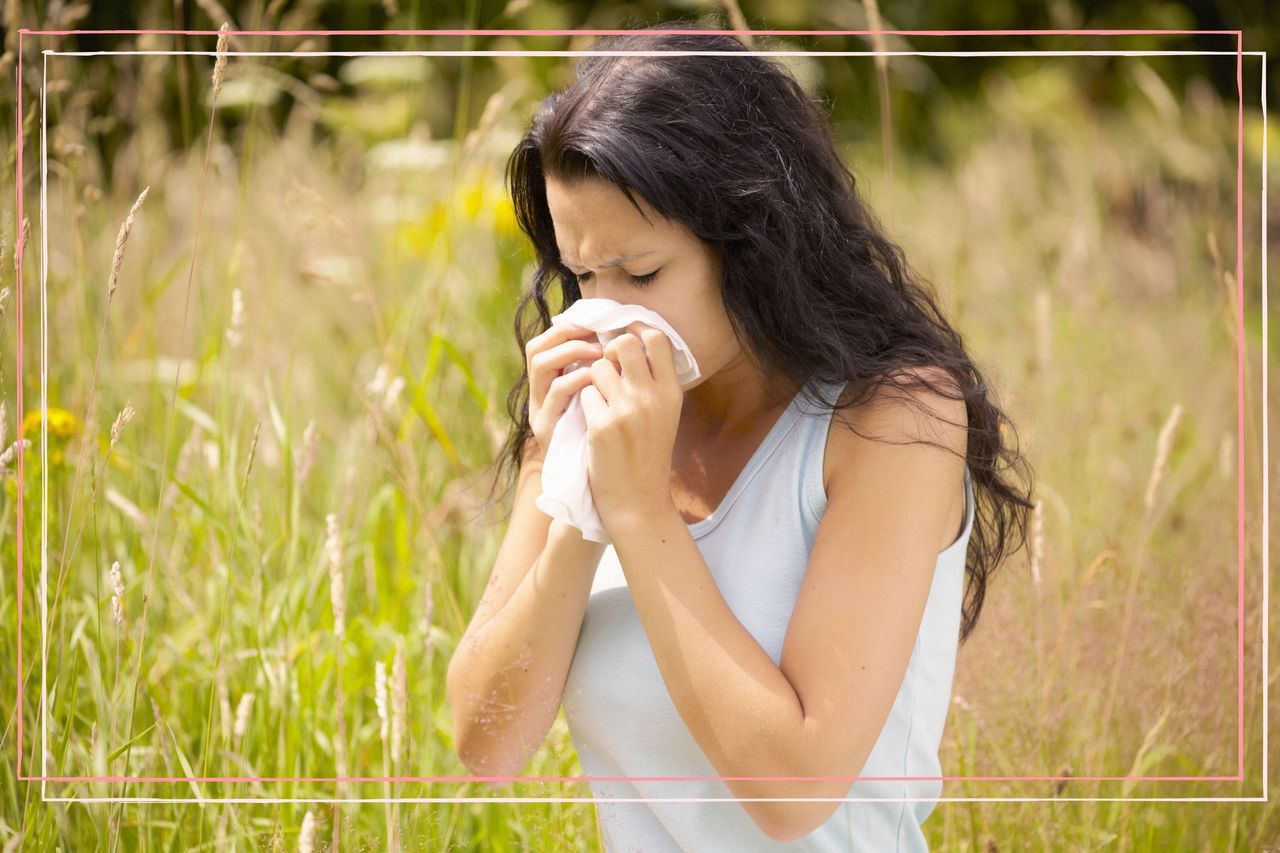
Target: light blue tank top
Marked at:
757, 543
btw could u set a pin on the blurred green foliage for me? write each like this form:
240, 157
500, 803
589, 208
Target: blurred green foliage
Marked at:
449, 95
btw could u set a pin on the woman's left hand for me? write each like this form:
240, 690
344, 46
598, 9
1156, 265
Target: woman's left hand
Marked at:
632, 417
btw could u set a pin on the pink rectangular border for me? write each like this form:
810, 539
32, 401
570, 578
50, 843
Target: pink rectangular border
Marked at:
1240, 535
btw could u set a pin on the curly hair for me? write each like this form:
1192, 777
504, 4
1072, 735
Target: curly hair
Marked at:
734, 149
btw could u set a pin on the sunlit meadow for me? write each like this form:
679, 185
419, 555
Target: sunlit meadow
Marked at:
276, 373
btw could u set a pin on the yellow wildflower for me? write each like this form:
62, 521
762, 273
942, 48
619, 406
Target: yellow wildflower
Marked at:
62, 424
473, 199
504, 217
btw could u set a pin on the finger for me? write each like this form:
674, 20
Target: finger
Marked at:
577, 331
565, 386
592, 404
628, 351
635, 328
557, 333
605, 378
540, 379
554, 335
639, 329
661, 354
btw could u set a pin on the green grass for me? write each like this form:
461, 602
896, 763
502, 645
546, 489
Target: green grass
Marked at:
1106, 220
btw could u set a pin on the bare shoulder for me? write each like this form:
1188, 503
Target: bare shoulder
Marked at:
888, 416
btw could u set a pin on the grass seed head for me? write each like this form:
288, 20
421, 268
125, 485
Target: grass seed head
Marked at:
337, 585
126, 415
307, 835
220, 63
117, 593
242, 715
117, 259
1163, 446
380, 696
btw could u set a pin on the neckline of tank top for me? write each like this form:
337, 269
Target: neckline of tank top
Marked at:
775, 435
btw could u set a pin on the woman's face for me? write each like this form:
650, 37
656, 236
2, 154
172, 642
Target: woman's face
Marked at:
607, 243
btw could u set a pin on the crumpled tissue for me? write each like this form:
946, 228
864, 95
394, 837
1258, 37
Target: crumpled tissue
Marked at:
566, 491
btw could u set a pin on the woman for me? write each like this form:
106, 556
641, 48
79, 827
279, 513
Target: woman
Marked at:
790, 533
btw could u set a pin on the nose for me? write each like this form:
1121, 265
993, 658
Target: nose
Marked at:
594, 290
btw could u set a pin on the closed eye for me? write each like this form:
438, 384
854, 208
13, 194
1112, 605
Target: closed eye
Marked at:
637, 280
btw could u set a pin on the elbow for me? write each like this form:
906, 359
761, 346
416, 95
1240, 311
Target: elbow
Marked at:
483, 765
487, 734
788, 822
472, 756
783, 820
784, 835
479, 751
820, 769
480, 771
772, 823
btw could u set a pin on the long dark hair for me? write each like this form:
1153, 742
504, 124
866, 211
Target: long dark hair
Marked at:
735, 150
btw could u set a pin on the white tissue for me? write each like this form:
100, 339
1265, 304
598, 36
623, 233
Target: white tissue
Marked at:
566, 490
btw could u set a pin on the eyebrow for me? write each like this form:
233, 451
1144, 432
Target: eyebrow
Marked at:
610, 262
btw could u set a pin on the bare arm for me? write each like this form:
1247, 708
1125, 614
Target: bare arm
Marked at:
507, 676
525, 538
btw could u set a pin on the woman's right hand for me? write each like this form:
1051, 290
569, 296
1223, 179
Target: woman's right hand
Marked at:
546, 356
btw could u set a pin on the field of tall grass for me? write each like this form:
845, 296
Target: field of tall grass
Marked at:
276, 367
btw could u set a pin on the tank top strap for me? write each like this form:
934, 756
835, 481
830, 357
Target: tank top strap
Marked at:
814, 426
811, 436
